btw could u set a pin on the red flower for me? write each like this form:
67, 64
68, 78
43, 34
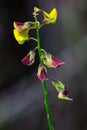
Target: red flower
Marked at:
42, 72
52, 62
29, 58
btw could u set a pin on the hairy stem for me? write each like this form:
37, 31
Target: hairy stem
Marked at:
46, 103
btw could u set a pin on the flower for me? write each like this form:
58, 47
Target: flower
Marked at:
42, 72
29, 58
21, 31
52, 62
60, 87
49, 18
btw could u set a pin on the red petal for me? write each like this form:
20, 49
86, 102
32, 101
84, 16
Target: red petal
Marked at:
26, 60
56, 62
42, 75
19, 24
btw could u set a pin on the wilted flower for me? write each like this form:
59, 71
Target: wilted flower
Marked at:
52, 62
49, 18
29, 58
21, 31
60, 87
42, 72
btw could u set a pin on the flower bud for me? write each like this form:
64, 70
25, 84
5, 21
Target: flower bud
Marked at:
29, 58
42, 72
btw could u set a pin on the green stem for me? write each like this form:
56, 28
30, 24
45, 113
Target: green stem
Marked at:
46, 103
38, 38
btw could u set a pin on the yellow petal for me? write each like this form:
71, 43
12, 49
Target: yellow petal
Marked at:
53, 15
21, 37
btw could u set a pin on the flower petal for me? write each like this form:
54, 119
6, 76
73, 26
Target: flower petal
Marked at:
56, 62
24, 26
42, 75
61, 96
18, 26
53, 15
21, 37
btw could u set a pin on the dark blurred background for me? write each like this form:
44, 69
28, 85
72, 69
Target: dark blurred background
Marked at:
21, 96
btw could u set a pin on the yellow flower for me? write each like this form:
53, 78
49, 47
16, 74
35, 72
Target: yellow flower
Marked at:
49, 18
21, 31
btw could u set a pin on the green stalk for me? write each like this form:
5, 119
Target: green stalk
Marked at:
47, 107
38, 38
46, 103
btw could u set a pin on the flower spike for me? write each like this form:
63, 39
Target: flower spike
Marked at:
42, 72
29, 58
21, 34
21, 31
